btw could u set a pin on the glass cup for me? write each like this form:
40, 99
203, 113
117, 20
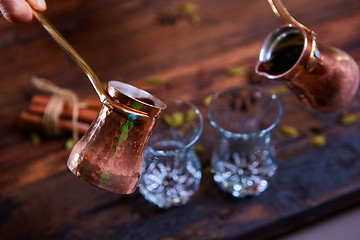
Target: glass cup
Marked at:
172, 170
243, 159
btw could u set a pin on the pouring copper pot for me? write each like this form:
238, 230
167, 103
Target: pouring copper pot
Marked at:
325, 77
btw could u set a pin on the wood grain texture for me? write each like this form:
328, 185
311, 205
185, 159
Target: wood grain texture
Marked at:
122, 40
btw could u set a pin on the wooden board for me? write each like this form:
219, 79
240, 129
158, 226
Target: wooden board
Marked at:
41, 199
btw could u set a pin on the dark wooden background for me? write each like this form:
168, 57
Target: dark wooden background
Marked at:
124, 40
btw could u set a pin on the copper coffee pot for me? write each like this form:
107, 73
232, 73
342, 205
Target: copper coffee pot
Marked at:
111, 152
327, 78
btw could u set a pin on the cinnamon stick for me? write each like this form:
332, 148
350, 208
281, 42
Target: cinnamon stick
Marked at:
33, 121
40, 99
85, 115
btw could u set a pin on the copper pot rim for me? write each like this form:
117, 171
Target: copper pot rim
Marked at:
120, 90
268, 44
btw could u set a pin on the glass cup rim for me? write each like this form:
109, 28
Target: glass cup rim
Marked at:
196, 136
251, 134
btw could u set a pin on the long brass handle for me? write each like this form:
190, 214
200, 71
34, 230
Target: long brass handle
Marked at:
280, 10
105, 98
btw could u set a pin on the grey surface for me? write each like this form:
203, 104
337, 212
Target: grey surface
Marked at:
345, 226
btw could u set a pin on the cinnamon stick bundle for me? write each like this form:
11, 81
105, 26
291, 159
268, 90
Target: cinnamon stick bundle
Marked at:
88, 109
32, 118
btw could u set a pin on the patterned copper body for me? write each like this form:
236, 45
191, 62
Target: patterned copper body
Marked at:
111, 152
324, 77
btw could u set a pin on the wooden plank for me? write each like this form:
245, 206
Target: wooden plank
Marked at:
41, 199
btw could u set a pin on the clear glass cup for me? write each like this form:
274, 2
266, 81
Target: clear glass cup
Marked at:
243, 159
172, 170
